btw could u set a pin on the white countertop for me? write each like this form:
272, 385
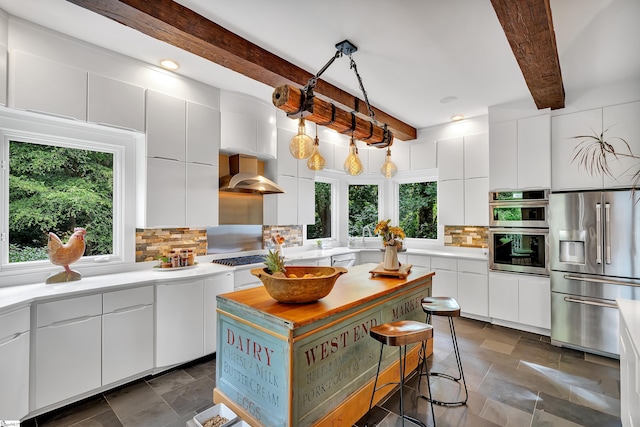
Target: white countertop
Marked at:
630, 312
13, 297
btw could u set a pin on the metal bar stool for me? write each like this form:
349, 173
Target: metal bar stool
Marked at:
400, 334
444, 306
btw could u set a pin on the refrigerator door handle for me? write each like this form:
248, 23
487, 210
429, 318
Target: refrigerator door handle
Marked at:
598, 233
607, 233
597, 303
598, 280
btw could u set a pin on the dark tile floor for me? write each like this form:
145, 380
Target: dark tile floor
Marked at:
514, 378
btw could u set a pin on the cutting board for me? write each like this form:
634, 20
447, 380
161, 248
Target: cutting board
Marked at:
402, 272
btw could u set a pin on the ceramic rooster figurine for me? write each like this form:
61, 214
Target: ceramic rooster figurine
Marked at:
64, 254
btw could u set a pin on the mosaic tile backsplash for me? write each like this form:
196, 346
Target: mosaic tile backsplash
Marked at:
152, 243
292, 235
466, 236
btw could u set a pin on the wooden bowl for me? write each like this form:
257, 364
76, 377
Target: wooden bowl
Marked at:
300, 290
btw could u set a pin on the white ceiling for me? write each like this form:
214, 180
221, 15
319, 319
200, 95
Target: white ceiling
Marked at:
411, 54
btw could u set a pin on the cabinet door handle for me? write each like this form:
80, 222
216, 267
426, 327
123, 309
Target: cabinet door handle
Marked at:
125, 309
70, 321
10, 338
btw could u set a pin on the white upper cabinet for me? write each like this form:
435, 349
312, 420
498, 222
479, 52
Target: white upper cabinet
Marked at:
567, 173
462, 180
451, 202
423, 155
115, 103
3, 74
201, 195
622, 121
45, 86
247, 125
286, 164
451, 159
520, 153
203, 134
534, 152
166, 124
166, 194
503, 155
476, 156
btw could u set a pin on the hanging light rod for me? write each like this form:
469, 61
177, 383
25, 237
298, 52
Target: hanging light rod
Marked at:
302, 103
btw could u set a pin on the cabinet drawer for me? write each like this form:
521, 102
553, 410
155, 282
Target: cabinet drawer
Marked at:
15, 322
468, 266
419, 260
444, 263
243, 277
72, 308
113, 301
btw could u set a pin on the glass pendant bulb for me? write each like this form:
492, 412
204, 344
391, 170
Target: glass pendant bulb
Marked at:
301, 145
352, 165
388, 168
316, 161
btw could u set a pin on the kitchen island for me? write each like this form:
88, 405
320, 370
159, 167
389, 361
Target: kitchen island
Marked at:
313, 364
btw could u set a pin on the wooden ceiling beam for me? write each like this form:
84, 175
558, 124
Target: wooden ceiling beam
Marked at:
529, 29
181, 27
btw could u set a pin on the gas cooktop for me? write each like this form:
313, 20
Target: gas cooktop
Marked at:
241, 260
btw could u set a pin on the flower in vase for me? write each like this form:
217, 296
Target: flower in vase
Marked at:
391, 235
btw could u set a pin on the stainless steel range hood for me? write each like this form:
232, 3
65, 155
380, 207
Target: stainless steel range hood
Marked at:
244, 177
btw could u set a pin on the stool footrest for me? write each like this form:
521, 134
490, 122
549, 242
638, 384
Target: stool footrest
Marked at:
440, 403
443, 375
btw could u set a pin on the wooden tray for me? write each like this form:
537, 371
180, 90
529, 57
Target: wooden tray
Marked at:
402, 273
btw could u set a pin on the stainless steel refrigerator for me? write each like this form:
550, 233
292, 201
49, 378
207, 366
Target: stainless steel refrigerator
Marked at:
594, 259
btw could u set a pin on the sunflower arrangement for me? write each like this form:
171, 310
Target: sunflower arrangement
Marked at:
391, 235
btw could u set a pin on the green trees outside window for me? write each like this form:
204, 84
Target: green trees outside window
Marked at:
55, 189
322, 227
363, 208
418, 209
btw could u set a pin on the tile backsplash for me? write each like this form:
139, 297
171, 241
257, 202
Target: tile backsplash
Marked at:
152, 243
466, 236
292, 234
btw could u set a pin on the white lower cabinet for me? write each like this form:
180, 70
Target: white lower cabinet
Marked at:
629, 372
473, 292
365, 257
179, 322
445, 281
417, 260
14, 366
68, 349
520, 299
127, 333
212, 287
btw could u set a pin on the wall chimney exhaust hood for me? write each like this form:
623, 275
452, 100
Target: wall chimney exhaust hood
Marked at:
244, 178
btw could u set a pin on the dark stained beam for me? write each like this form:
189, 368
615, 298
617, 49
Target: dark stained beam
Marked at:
529, 29
181, 27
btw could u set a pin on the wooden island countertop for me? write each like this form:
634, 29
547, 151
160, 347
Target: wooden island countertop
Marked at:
353, 289
312, 364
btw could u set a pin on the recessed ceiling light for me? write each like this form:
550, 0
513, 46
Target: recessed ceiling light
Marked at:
169, 64
457, 117
448, 99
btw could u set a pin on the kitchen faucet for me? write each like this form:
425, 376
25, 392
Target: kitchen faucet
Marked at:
364, 230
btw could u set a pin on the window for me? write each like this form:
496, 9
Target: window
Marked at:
57, 175
55, 189
322, 228
418, 209
363, 208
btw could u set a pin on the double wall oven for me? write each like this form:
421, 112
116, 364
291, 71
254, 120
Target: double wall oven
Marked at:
519, 231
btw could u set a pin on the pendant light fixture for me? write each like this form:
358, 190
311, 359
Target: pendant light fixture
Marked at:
352, 165
388, 168
316, 161
301, 145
